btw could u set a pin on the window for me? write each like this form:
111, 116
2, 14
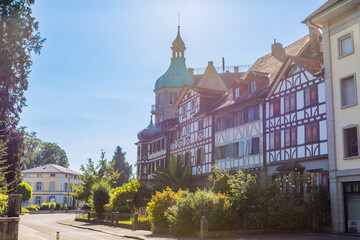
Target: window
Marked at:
310, 95
220, 124
274, 107
200, 156
52, 186
290, 102
348, 91
65, 187
253, 113
229, 149
345, 45
39, 175
237, 93
211, 80
201, 124
229, 120
252, 86
311, 132
160, 98
187, 159
39, 186
52, 175
275, 140
27, 174
253, 145
290, 136
173, 97
193, 106
240, 147
220, 152
64, 200
37, 200
351, 142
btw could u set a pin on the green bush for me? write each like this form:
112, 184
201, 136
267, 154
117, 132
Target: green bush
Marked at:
48, 206
3, 205
33, 207
221, 184
24, 210
25, 190
122, 197
158, 205
100, 195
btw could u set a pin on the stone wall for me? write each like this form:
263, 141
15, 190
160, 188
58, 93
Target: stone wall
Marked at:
9, 228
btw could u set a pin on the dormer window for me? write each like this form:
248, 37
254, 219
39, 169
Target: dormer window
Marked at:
252, 86
237, 93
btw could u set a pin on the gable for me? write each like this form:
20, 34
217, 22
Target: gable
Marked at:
211, 79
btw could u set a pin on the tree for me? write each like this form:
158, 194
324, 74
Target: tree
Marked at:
51, 153
122, 166
25, 190
19, 39
3, 168
93, 174
32, 148
100, 195
176, 176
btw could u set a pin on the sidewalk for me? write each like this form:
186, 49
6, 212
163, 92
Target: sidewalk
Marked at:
148, 235
120, 232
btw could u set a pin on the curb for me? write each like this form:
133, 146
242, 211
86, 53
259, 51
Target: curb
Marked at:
102, 231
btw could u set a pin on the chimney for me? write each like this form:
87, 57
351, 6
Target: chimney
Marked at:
191, 70
278, 51
236, 69
211, 63
315, 38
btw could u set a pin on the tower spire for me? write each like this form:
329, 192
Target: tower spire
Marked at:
179, 21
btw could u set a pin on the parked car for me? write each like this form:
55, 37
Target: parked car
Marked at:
85, 207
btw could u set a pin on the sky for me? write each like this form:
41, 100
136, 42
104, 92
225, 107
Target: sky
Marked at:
91, 87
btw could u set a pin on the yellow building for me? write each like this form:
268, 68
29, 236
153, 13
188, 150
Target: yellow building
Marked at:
339, 21
51, 183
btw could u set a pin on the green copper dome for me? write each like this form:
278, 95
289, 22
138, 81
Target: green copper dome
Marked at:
177, 74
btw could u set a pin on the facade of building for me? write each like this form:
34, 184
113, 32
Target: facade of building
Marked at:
340, 23
51, 183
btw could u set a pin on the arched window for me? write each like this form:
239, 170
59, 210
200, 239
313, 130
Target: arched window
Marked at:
294, 69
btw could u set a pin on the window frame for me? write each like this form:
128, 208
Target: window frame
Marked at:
345, 142
341, 90
341, 38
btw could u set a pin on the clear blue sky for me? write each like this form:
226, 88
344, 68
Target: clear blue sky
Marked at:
92, 86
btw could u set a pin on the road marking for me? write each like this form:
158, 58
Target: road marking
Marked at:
27, 232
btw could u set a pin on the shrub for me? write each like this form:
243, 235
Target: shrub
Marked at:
48, 206
33, 207
3, 205
122, 198
221, 184
158, 205
100, 195
24, 210
25, 190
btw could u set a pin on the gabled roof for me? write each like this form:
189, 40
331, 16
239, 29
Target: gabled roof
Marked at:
50, 168
271, 65
311, 65
322, 8
229, 77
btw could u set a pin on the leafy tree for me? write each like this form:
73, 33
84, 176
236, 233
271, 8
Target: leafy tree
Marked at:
93, 174
19, 39
51, 153
32, 148
122, 166
100, 195
25, 190
3, 168
176, 176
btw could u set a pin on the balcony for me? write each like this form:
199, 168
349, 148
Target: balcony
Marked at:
157, 108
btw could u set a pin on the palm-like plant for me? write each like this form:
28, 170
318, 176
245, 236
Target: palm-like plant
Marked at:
176, 176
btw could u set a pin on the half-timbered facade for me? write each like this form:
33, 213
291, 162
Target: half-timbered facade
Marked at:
295, 121
193, 138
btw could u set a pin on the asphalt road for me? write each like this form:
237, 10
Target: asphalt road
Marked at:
44, 226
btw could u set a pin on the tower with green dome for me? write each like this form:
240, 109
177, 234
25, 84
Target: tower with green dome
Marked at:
169, 85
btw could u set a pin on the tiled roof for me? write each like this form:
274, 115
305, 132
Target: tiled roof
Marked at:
227, 77
311, 65
50, 168
271, 65
322, 8
267, 67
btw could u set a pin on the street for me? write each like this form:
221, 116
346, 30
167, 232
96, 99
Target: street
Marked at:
44, 226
